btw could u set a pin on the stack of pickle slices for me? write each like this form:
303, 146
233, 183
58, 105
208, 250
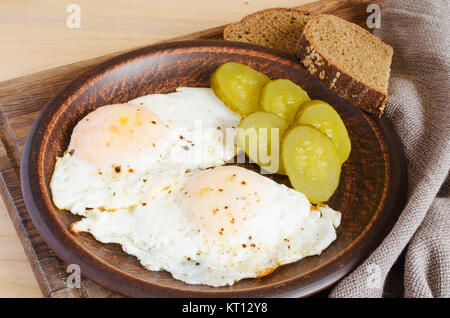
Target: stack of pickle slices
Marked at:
283, 130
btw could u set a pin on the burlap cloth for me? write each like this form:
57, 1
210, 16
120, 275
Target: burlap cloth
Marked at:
414, 259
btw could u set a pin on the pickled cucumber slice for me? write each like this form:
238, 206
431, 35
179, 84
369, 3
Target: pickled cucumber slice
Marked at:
321, 115
282, 97
259, 135
311, 162
238, 86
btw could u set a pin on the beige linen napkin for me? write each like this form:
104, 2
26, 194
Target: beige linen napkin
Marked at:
414, 259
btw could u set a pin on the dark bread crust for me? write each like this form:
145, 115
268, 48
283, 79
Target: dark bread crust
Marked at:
357, 93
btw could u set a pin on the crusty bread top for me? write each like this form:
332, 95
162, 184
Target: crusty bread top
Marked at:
351, 49
278, 28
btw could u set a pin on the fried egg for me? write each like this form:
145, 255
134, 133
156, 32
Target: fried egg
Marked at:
199, 121
123, 155
218, 226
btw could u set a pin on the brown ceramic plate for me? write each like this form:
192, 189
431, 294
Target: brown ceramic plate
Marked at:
370, 195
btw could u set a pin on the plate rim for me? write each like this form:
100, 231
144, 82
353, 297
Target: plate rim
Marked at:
107, 276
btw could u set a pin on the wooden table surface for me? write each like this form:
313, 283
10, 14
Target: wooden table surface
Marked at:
34, 36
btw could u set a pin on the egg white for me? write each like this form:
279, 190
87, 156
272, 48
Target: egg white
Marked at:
162, 237
203, 130
201, 133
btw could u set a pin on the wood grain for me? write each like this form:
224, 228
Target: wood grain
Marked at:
16, 277
34, 35
22, 98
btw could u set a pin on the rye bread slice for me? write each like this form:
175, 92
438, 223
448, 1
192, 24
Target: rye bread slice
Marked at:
277, 28
348, 59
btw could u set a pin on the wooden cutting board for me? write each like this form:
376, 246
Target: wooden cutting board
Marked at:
22, 99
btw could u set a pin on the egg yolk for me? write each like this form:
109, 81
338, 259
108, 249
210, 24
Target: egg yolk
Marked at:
116, 136
222, 199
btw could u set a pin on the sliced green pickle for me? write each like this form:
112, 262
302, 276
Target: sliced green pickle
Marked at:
238, 86
321, 115
259, 135
311, 162
282, 97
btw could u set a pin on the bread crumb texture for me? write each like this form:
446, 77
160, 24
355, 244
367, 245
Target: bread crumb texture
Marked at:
348, 59
351, 48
